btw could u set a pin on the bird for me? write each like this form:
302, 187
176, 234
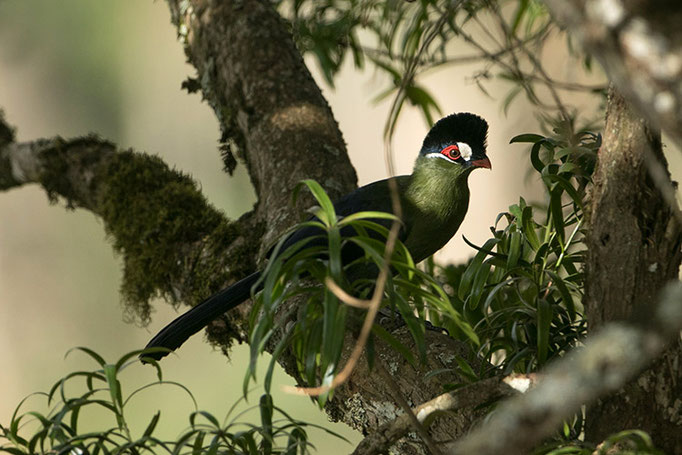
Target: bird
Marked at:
434, 200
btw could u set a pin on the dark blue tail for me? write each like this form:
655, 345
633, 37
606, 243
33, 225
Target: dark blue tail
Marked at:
187, 324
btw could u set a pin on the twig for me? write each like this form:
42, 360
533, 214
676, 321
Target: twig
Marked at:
407, 78
25, 162
344, 296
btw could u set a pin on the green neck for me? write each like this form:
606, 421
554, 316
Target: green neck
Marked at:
435, 200
438, 189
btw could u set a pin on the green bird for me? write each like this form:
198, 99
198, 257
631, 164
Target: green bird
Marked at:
434, 200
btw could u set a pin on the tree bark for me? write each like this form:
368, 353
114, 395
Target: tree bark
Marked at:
633, 251
268, 104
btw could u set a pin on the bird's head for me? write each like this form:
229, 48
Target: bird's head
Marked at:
458, 139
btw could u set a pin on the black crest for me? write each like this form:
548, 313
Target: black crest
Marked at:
462, 127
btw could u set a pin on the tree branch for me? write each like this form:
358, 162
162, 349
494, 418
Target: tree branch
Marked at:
266, 101
173, 243
268, 104
404, 405
639, 47
470, 396
608, 360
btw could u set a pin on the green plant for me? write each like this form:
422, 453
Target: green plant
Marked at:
628, 442
521, 292
318, 336
59, 431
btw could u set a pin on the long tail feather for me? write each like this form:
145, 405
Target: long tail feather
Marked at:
187, 324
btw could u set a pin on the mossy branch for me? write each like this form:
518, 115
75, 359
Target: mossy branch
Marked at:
173, 243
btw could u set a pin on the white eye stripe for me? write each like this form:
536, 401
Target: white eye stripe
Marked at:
438, 155
465, 150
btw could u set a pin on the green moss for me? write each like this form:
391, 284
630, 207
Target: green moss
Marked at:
66, 159
162, 225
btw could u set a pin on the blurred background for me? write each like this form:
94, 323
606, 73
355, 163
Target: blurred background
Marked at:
75, 67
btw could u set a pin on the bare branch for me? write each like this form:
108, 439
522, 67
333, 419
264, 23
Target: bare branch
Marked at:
469, 396
404, 405
32, 162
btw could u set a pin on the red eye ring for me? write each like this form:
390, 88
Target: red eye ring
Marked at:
451, 152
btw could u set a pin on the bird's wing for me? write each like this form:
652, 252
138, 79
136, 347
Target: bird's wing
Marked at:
374, 197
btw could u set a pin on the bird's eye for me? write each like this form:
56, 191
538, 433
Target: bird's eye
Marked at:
451, 152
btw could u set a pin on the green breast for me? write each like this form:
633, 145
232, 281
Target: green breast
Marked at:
435, 202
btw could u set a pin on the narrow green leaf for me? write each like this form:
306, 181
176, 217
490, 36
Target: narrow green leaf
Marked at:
367, 215
535, 160
281, 346
98, 358
566, 186
473, 267
513, 93
114, 385
330, 305
266, 412
478, 286
564, 292
394, 343
326, 203
152, 425
514, 249
530, 138
544, 321
334, 242
520, 11
465, 369
557, 213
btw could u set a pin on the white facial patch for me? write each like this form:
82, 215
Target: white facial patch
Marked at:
464, 150
438, 155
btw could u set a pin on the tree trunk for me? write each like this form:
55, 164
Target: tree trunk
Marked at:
633, 251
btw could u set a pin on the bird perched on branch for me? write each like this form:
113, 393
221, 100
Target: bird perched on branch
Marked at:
433, 200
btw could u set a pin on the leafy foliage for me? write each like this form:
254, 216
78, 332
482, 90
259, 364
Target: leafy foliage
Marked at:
405, 40
628, 442
318, 336
60, 429
522, 290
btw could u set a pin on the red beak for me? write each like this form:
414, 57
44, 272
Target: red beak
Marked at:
483, 162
